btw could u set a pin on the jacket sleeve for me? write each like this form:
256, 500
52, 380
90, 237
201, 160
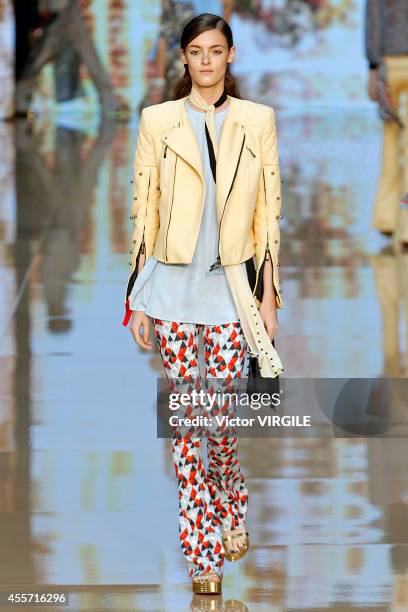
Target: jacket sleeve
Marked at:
145, 204
267, 211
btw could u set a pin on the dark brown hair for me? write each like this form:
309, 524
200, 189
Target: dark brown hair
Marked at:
195, 27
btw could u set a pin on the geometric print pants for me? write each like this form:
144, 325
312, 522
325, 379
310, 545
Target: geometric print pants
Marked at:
212, 500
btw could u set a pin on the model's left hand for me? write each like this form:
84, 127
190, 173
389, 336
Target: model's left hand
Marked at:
267, 310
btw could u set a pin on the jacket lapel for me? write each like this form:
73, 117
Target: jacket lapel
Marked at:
229, 150
183, 141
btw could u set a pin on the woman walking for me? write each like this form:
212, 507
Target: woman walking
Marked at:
206, 203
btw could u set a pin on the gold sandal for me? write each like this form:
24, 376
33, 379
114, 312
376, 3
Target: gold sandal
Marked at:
206, 586
235, 556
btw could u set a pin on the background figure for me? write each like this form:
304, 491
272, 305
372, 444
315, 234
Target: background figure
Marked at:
67, 66
64, 26
386, 45
390, 270
7, 51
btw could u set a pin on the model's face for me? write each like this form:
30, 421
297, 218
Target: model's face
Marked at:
207, 57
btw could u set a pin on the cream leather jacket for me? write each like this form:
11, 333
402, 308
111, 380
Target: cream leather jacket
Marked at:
168, 189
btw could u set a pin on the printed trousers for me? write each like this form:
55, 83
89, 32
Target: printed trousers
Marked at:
212, 500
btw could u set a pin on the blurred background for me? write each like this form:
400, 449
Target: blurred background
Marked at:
88, 498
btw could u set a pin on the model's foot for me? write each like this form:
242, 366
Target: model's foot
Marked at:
235, 541
207, 576
207, 583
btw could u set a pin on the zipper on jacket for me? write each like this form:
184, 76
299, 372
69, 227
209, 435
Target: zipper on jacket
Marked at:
249, 164
135, 272
165, 151
217, 263
143, 245
251, 151
171, 207
267, 256
131, 282
267, 251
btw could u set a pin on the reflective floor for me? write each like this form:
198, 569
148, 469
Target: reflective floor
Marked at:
88, 497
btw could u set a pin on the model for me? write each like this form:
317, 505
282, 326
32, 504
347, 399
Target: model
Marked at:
206, 202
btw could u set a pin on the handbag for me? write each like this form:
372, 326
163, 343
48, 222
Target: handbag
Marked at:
257, 383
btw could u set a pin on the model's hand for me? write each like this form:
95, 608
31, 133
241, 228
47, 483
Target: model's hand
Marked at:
141, 320
372, 85
267, 310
